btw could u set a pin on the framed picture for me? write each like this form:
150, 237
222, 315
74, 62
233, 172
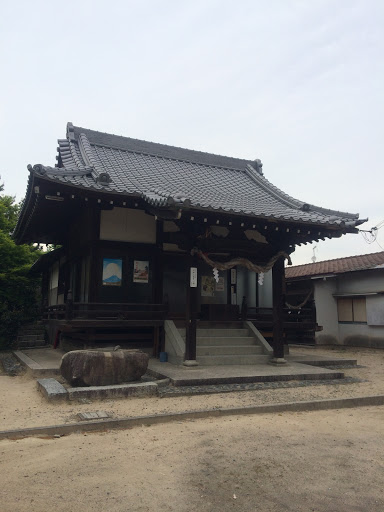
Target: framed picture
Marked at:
140, 271
207, 286
112, 272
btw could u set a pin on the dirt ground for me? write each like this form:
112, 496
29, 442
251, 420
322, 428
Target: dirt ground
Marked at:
22, 406
323, 461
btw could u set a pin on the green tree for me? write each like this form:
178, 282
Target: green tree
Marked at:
18, 290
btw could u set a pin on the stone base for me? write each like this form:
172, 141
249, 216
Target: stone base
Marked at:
139, 389
278, 361
83, 368
52, 389
190, 362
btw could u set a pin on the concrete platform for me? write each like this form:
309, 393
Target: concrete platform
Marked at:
44, 362
236, 374
54, 391
40, 362
315, 360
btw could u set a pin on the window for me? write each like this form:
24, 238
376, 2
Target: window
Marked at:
352, 310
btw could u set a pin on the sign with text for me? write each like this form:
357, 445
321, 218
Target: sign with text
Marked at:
193, 278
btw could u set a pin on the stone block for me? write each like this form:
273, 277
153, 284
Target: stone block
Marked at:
52, 389
136, 390
103, 368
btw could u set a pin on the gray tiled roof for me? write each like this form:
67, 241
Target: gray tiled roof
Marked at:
165, 175
337, 266
153, 148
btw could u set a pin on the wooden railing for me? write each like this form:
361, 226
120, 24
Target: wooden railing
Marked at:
299, 325
303, 315
105, 311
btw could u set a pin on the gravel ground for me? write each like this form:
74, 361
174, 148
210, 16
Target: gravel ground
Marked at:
21, 405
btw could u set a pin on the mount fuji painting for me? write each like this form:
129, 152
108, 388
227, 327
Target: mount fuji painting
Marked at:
112, 272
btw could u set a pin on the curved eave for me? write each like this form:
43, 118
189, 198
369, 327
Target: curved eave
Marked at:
29, 205
46, 260
339, 226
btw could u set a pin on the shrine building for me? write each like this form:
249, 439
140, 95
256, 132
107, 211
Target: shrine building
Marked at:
156, 245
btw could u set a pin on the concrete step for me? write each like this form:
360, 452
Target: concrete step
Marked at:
234, 350
222, 332
230, 359
32, 327
217, 332
32, 344
221, 341
205, 324
22, 334
27, 337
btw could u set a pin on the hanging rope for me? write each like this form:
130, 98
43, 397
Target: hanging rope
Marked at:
299, 306
244, 262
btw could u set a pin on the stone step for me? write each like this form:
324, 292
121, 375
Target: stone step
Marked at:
234, 350
221, 341
230, 359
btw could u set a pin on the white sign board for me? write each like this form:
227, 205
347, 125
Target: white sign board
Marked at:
193, 277
233, 276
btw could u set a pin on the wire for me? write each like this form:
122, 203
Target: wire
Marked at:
370, 236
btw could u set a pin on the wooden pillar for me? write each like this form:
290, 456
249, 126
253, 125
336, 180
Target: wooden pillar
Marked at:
94, 274
95, 267
69, 306
278, 286
229, 288
158, 265
190, 315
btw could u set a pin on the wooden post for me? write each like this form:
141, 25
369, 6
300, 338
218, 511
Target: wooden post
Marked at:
159, 265
156, 341
190, 317
244, 309
278, 278
95, 275
69, 306
229, 288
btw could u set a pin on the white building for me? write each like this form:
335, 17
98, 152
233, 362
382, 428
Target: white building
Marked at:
348, 295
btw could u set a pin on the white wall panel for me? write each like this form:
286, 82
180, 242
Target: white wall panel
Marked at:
127, 225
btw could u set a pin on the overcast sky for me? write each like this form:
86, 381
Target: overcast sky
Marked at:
298, 84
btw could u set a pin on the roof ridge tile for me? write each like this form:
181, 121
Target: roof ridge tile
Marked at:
232, 162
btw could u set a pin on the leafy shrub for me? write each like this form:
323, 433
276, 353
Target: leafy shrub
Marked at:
19, 292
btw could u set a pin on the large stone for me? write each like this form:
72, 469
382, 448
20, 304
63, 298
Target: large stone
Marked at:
103, 368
